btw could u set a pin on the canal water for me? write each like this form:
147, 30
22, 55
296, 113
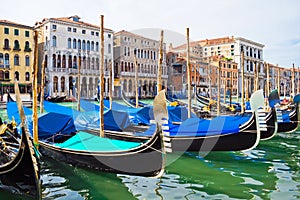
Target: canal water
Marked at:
270, 171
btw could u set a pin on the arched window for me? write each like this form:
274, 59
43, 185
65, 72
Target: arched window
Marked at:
27, 48
17, 60
70, 61
88, 46
125, 51
6, 59
97, 46
27, 76
69, 43
53, 60
128, 52
59, 61
62, 84
6, 75
75, 62
54, 41
79, 44
16, 45
55, 84
74, 44
6, 44
83, 45
93, 46
27, 60
64, 61
17, 75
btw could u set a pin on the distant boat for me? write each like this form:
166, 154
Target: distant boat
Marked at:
19, 168
56, 99
132, 102
287, 119
228, 106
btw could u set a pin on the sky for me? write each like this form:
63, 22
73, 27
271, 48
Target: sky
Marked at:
273, 23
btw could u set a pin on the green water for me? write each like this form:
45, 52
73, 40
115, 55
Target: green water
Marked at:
270, 171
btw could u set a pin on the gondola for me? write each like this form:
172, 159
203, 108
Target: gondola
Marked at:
56, 99
19, 167
224, 133
90, 151
271, 125
131, 102
288, 120
233, 107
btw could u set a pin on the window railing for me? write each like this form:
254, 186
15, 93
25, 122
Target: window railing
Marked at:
17, 48
6, 48
27, 49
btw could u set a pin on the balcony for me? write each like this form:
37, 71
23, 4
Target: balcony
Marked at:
27, 49
17, 49
5, 66
7, 48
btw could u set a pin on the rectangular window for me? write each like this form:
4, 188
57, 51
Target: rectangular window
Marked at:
26, 33
92, 33
6, 30
54, 26
16, 31
97, 33
109, 35
69, 29
74, 30
83, 31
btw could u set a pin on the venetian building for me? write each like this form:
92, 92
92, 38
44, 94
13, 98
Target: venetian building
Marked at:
68, 44
16, 56
127, 46
177, 61
232, 48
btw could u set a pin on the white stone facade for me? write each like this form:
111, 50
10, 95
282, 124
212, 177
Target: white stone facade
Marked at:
67, 44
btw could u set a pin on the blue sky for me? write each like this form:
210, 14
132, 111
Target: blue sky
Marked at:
274, 23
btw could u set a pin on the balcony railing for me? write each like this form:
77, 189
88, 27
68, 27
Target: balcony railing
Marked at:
7, 48
75, 71
27, 50
3, 66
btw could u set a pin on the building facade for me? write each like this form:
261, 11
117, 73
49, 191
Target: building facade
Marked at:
127, 48
68, 44
16, 56
232, 47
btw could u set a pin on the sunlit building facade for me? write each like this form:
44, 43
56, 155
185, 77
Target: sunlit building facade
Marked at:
16, 56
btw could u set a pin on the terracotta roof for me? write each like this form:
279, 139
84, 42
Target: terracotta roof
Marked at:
10, 23
216, 41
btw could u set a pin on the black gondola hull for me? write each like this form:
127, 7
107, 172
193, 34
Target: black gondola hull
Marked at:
293, 124
272, 126
145, 160
21, 175
246, 139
